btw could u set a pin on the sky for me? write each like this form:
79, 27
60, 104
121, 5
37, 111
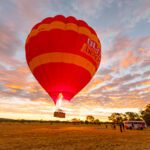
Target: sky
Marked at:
122, 82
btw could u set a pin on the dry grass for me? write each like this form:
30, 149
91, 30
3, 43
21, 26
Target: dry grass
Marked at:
36, 136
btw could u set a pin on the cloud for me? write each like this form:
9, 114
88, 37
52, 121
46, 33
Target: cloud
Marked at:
22, 87
146, 73
126, 78
135, 103
125, 52
87, 8
129, 59
131, 13
9, 41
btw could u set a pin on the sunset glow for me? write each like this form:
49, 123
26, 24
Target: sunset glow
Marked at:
122, 82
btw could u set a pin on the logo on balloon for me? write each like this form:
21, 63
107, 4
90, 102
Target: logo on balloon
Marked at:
91, 49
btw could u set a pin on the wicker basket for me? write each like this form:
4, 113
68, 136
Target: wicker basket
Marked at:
59, 114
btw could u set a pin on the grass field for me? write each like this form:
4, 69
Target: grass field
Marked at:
44, 136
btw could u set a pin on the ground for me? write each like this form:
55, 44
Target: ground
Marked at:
45, 136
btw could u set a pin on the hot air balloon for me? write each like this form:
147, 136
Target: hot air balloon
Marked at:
63, 54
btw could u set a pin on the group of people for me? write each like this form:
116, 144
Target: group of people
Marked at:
121, 126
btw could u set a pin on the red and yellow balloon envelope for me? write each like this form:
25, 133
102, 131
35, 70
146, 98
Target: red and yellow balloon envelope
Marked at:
63, 54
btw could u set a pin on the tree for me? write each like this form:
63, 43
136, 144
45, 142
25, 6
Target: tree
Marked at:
96, 121
90, 118
76, 120
132, 116
145, 114
116, 117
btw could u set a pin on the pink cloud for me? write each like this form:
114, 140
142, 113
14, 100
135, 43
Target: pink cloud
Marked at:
129, 59
124, 52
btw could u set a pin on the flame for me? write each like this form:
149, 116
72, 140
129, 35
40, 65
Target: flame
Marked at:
59, 101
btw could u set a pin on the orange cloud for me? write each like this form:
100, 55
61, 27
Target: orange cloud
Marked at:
31, 90
127, 103
106, 77
142, 50
146, 82
108, 87
23, 70
128, 60
96, 81
13, 86
114, 97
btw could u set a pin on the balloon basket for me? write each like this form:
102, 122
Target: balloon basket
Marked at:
59, 113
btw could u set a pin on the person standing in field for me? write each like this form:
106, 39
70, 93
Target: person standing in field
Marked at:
106, 126
114, 126
132, 125
121, 126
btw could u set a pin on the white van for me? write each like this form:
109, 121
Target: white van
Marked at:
135, 124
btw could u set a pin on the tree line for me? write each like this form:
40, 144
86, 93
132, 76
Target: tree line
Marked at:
120, 117
142, 115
